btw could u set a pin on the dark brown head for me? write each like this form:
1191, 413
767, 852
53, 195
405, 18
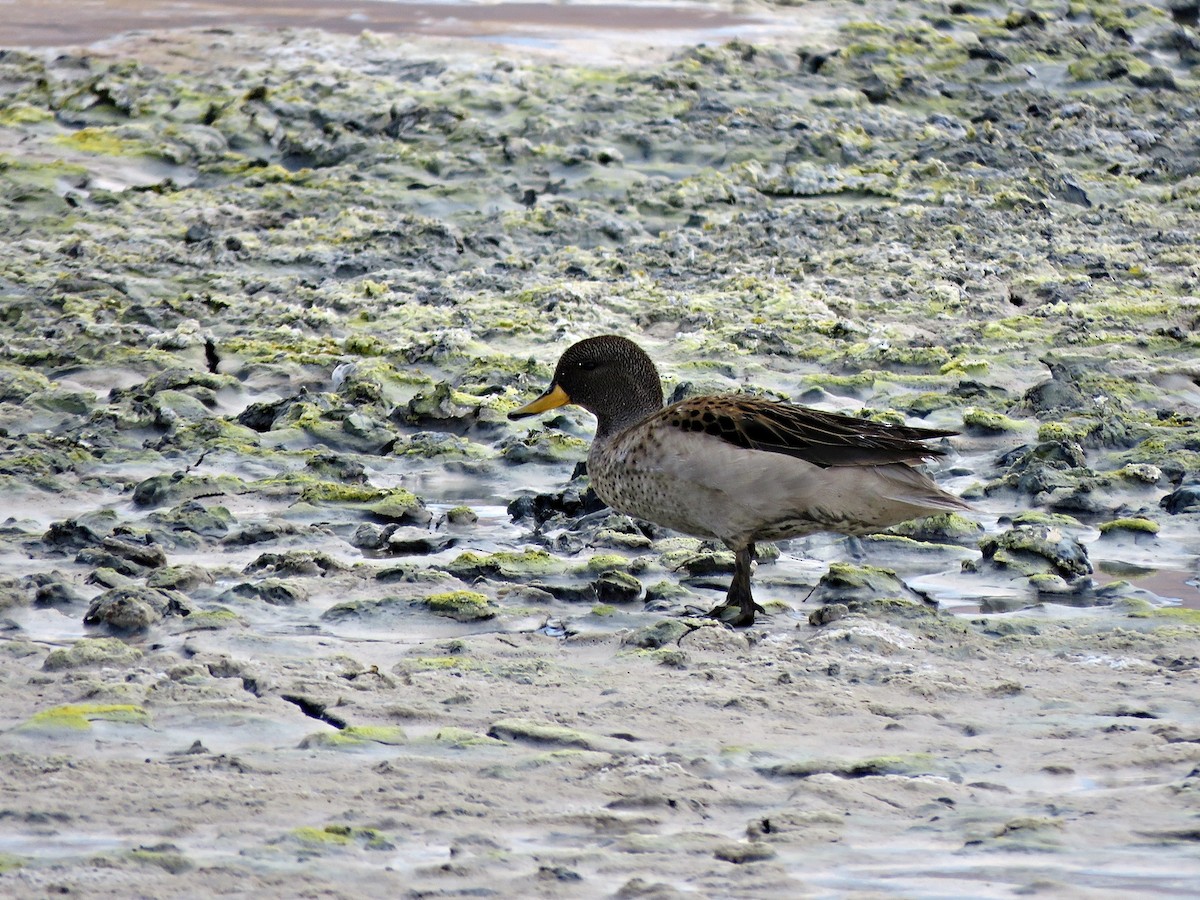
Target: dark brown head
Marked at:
609, 376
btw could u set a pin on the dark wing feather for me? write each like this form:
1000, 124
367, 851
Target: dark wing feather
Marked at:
821, 438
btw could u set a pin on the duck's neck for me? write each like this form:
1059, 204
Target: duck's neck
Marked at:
640, 404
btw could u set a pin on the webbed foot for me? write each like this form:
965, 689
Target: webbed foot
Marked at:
735, 615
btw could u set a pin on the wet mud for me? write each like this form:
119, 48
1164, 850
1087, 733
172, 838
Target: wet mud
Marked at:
290, 607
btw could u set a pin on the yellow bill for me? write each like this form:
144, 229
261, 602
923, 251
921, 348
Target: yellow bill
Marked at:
553, 398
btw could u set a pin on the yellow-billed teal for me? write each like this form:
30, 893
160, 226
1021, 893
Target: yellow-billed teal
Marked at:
737, 468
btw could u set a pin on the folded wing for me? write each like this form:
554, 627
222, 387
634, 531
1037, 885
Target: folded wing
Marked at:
821, 438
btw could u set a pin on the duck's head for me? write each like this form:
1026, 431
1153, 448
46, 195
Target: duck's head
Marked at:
609, 376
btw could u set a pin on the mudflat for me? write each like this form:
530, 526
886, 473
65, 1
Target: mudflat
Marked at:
290, 608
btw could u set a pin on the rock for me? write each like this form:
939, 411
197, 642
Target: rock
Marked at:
261, 533
666, 595
988, 422
571, 502
176, 487
443, 407
193, 516
508, 564
708, 562
745, 852
454, 450
51, 590
294, 562
618, 587
12, 593
407, 541
462, 606
261, 417
411, 574
1141, 473
336, 467
401, 506
172, 408
526, 595
1046, 467
90, 652
369, 536
830, 612
1158, 78
144, 553
947, 528
133, 609
542, 447
462, 516
84, 531
620, 539
551, 734
1184, 499
103, 559
110, 578
845, 583
660, 634
1135, 526
1034, 549
355, 736
400, 540
570, 592
272, 591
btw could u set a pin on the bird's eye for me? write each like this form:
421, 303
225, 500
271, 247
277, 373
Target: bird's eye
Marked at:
589, 365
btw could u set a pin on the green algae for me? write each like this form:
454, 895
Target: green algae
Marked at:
442, 663
531, 731
528, 563
911, 764
430, 445
462, 606
397, 505
944, 527
1054, 520
989, 422
19, 114
106, 142
166, 857
177, 487
1107, 66
1135, 525
1037, 550
79, 716
354, 736
605, 562
89, 652
462, 515
659, 634
341, 492
462, 738
1169, 615
212, 619
849, 575
329, 835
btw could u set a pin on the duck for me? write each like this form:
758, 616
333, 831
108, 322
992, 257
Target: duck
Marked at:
736, 468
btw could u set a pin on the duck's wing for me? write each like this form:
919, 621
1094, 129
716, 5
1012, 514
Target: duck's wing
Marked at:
821, 438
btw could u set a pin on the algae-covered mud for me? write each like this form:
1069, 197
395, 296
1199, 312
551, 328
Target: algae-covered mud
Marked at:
290, 608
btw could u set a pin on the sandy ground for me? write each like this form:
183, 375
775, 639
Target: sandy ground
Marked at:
867, 759
889, 752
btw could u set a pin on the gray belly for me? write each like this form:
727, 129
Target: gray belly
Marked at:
703, 512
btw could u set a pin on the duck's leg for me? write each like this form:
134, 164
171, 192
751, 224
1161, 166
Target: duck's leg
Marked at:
739, 606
